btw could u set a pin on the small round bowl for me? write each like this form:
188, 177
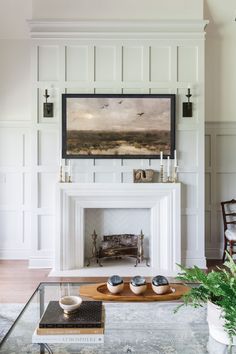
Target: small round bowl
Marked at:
138, 285
160, 285
70, 304
115, 284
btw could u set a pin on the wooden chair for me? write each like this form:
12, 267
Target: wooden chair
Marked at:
229, 218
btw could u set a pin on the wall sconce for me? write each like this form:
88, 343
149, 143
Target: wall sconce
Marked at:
47, 107
188, 106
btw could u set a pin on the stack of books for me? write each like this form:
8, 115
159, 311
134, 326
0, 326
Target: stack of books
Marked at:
84, 326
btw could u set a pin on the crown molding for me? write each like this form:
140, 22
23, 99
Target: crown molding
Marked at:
116, 29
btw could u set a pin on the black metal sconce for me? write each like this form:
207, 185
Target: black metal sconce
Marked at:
188, 106
47, 106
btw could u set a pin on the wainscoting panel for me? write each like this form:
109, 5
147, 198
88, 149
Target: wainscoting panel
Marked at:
77, 63
48, 60
15, 190
220, 181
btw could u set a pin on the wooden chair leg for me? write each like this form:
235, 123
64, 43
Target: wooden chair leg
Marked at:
225, 248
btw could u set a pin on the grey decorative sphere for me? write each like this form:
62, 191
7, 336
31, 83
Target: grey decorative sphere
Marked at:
115, 284
160, 285
138, 285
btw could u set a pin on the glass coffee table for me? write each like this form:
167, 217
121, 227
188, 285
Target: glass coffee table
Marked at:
130, 327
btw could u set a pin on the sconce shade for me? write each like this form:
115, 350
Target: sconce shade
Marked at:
187, 109
48, 110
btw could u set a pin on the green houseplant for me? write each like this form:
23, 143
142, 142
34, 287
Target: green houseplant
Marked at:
217, 289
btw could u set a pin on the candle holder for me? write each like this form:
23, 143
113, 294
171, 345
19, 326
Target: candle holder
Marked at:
161, 174
61, 175
175, 178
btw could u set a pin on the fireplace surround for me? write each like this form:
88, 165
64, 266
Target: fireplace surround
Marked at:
72, 199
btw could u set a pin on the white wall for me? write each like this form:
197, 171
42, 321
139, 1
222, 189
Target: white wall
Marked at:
119, 10
220, 60
15, 97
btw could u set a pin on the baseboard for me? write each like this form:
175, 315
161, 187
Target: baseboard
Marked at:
14, 254
214, 253
191, 262
40, 263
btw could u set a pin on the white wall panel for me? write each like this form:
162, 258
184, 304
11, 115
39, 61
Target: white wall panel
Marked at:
10, 224
11, 190
105, 63
77, 63
48, 146
187, 64
207, 190
133, 63
189, 190
220, 180
160, 63
46, 187
190, 244
225, 152
48, 63
27, 190
11, 149
188, 156
207, 151
45, 235
104, 177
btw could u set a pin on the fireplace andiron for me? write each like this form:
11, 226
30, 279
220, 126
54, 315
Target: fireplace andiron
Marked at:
118, 246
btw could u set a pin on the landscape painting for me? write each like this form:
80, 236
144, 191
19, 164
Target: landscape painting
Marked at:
131, 126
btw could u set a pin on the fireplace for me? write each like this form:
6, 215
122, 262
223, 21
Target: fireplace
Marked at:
74, 201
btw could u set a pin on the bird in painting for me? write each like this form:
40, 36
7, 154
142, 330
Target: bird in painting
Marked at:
104, 106
140, 114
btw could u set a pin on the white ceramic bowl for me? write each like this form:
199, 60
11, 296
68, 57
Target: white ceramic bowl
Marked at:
70, 303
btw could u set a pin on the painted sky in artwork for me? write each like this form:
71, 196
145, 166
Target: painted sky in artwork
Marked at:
118, 114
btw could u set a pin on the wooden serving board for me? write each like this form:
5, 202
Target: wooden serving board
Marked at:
100, 292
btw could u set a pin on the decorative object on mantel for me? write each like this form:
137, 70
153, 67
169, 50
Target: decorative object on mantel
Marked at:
169, 178
143, 176
143, 124
100, 292
47, 106
188, 106
117, 246
65, 176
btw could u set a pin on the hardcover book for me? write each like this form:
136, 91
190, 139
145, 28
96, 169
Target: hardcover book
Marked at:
89, 315
70, 338
65, 331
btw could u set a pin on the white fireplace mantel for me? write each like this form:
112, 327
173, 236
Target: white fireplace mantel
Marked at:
163, 200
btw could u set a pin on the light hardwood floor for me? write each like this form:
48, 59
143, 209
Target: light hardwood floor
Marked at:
17, 282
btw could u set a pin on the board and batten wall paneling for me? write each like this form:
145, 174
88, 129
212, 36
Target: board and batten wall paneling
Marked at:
220, 181
108, 61
15, 190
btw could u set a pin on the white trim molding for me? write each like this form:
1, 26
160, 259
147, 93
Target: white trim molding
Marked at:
94, 29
